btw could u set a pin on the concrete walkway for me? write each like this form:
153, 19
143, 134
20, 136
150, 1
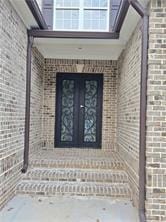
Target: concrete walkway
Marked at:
67, 209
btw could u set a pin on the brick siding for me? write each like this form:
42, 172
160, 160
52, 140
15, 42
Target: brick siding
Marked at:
36, 100
13, 44
128, 108
156, 115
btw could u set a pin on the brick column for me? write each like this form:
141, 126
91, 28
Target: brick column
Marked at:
156, 115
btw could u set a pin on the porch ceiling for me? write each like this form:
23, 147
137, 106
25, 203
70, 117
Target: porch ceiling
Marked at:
101, 49
79, 48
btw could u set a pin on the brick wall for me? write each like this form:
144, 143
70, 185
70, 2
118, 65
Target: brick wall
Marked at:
109, 70
128, 108
13, 43
156, 111
13, 48
36, 100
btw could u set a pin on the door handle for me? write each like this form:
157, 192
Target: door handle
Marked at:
81, 106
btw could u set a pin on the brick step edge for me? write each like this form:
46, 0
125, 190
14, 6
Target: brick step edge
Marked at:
76, 163
77, 175
72, 188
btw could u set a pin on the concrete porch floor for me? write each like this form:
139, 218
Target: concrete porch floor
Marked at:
68, 209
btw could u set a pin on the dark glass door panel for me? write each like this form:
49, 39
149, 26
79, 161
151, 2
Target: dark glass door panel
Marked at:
78, 110
90, 114
67, 111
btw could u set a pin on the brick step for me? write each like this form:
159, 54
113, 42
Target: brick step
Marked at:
50, 188
77, 175
86, 163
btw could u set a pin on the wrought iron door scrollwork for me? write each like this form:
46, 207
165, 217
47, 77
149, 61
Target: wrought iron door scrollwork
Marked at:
90, 113
67, 110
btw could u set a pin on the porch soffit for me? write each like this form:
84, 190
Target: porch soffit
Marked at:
100, 49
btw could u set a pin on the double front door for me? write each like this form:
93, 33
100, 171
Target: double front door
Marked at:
78, 110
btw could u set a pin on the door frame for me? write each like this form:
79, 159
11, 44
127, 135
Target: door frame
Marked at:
59, 77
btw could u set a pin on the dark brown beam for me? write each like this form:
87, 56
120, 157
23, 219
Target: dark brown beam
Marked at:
124, 6
27, 106
143, 106
65, 34
143, 110
33, 6
138, 7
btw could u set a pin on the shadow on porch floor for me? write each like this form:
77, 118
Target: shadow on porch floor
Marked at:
68, 209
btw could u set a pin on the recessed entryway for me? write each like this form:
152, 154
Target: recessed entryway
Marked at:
78, 110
